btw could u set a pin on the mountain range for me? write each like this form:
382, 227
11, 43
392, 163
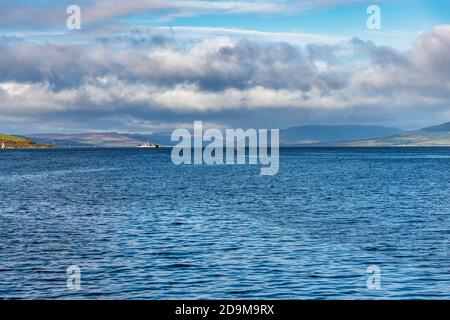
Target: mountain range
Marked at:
103, 139
308, 135
420, 138
332, 136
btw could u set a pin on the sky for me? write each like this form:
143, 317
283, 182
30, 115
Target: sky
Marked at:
151, 65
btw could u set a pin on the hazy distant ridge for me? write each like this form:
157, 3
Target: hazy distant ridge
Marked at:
436, 136
341, 135
320, 134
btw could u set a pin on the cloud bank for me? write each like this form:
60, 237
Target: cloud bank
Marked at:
158, 82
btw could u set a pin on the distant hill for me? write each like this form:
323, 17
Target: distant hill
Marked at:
343, 135
15, 142
437, 136
161, 138
105, 139
292, 136
306, 135
445, 127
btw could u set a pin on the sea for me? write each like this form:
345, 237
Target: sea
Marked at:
334, 223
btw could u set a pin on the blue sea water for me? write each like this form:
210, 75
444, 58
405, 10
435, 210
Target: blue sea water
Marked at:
140, 227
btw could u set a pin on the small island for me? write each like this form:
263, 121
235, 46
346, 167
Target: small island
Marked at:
15, 142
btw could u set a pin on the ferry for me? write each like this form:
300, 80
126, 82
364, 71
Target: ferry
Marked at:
148, 145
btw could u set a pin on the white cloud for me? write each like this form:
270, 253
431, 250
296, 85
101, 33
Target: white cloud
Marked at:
224, 75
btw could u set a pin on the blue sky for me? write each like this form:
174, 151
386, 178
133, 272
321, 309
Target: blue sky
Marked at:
342, 17
142, 66
402, 20
343, 20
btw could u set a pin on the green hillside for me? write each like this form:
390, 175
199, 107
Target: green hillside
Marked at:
7, 138
14, 142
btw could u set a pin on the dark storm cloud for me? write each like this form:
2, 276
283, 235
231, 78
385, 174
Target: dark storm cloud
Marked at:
242, 65
58, 65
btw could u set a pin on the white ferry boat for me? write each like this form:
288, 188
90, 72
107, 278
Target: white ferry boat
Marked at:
148, 145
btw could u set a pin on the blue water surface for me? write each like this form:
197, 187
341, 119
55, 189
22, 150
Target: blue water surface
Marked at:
140, 227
